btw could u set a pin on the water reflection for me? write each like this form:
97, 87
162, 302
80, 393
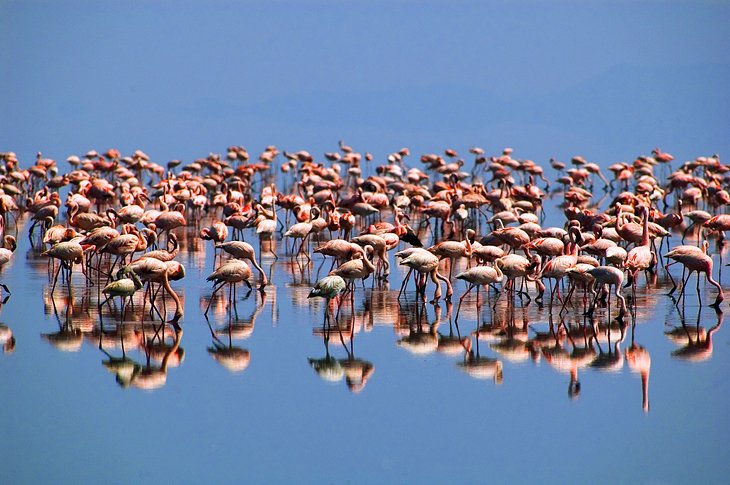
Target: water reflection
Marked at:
234, 358
7, 340
696, 343
421, 337
355, 371
639, 361
69, 337
160, 354
159, 348
493, 331
474, 363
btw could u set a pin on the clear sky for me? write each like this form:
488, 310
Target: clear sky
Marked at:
180, 79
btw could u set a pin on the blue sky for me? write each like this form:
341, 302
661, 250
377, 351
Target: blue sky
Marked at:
181, 79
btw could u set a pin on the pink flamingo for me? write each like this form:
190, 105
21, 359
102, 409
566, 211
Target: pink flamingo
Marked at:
641, 257
701, 263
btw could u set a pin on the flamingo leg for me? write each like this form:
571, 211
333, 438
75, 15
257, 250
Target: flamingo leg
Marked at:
405, 282
684, 285
215, 290
461, 300
567, 298
55, 279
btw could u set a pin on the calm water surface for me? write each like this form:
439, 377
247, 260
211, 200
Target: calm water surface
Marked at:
390, 395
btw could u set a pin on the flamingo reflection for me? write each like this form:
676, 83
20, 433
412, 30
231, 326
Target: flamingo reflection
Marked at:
7, 340
698, 348
354, 370
639, 361
233, 358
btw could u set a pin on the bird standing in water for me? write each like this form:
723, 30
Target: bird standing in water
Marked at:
479, 276
231, 272
124, 287
6, 253
328, 288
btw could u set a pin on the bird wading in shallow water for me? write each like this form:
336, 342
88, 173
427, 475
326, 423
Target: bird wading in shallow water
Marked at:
329, 287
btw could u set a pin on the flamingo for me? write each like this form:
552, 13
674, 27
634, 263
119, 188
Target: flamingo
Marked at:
426, 263
719, 223
697, 218
513, 237
641, 257
557, 267
379, 245
6, 254
217, 232
329, 287
358, 268
452, 250
168, 220
340, 249
56, 234
616, 256
487, 253
266, 226
300, 230
124, 287
546, 246
123, 245
680, 252
515, 266
151, 270
578, 274
629, 231
243, 250
696, 260
479, 276
68, 252
165, 255
607, 276
229, 273
85, 221
131, 213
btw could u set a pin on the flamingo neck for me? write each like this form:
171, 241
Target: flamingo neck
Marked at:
173, 295
368, 264
135, 279
645, 229
619, 213
73, 211
175, 247
572, 247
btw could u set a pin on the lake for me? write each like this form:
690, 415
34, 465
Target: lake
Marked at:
399, 391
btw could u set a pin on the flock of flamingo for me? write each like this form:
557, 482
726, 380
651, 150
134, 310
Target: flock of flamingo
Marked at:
124, 216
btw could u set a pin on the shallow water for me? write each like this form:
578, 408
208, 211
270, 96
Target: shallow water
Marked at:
390, 394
